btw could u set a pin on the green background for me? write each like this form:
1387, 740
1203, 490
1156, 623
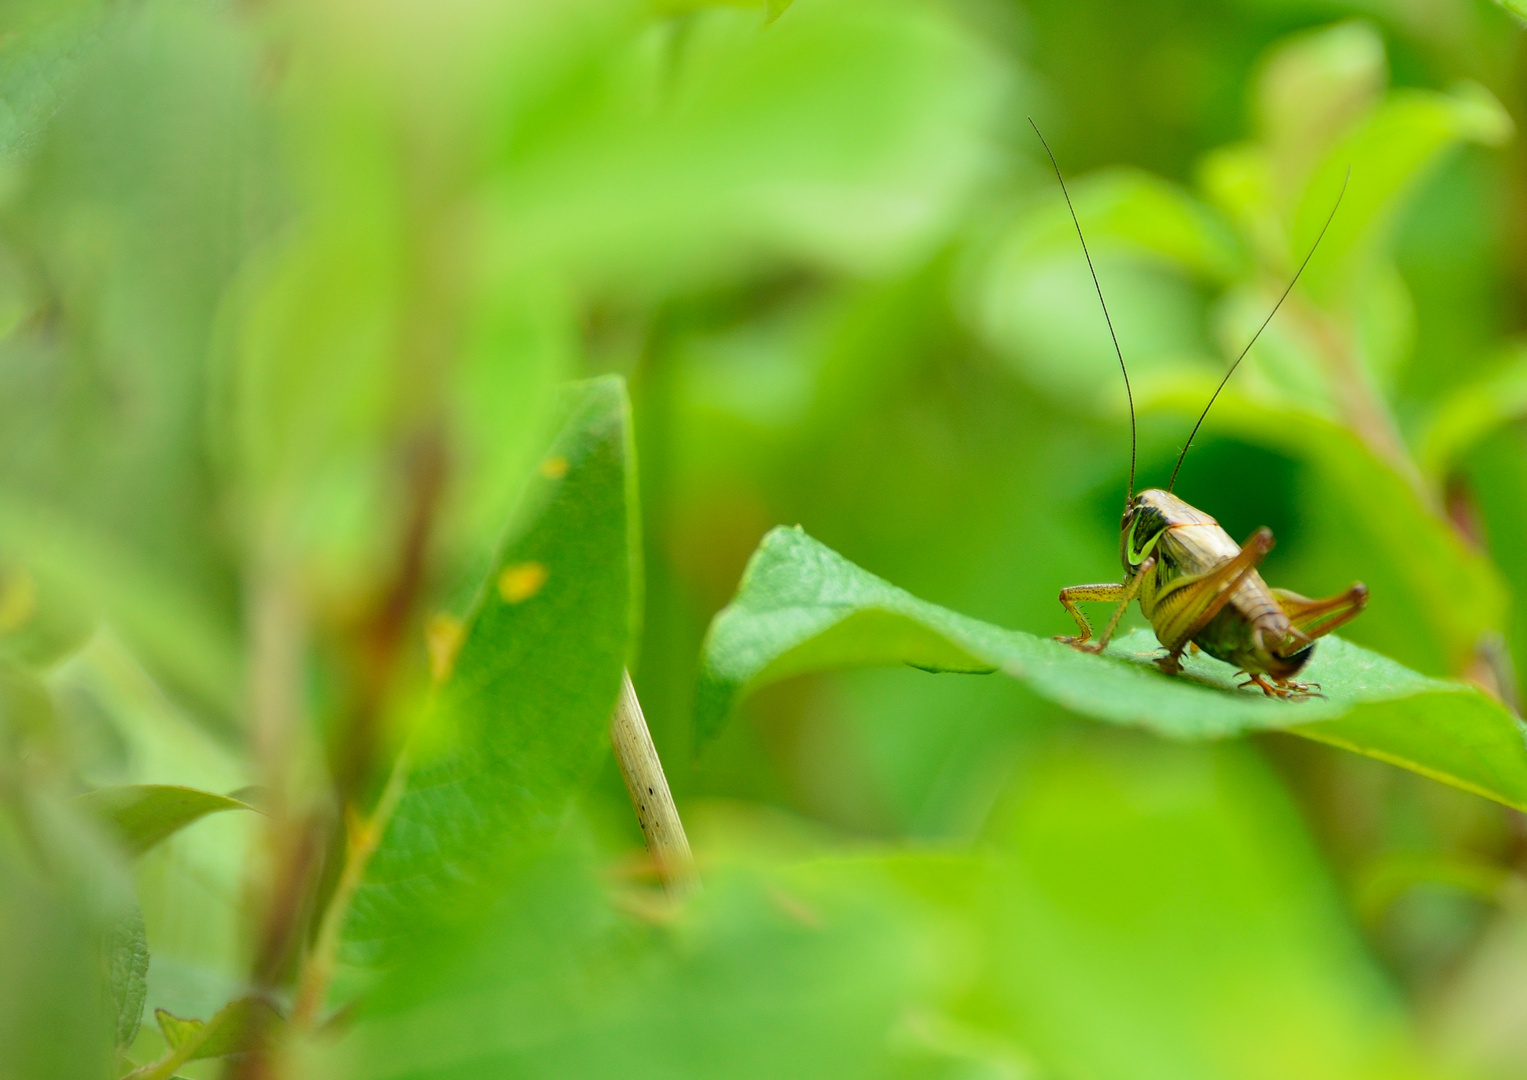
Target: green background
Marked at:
324, 323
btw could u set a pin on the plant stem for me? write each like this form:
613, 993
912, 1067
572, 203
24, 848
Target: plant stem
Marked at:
648, 787
364, 835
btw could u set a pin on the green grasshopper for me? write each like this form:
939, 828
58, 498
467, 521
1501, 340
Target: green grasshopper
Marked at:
1194, 584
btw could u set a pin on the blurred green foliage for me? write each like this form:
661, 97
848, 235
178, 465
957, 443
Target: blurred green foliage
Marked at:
299, 520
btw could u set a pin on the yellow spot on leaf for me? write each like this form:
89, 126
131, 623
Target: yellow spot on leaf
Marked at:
554, 468
442, 636
521, 581
18, 600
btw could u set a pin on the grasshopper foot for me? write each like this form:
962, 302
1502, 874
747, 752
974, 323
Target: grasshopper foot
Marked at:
1087, 644
1284, 689
1171, 663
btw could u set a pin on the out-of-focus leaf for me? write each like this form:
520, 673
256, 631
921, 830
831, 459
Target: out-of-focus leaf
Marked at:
1386, 325
141, 815
764, 974
189, 645
1134, 213
1495, 475
315, 392
519, 726
26, 711
192, 887
41, 622
1391, 876
380, 326
1472, 1032
126, 952
1313, 87
234, 1028
801, 607
40, 57
1044, 318
128, 217
503, 391
1198, 938
1389, 154
1471, 412
1034, 300
843, 132
56, 1016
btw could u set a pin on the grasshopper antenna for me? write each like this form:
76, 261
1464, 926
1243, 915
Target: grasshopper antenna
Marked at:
1215, 396
1128, 392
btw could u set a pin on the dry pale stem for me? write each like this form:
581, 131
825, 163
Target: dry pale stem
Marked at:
648, 787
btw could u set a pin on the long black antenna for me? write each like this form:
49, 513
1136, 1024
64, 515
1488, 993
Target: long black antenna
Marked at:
1128, 392
1329, 218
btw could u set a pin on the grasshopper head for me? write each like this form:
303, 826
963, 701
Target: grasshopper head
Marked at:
1147, 518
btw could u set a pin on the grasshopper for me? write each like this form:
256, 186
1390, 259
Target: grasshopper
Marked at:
1194, 584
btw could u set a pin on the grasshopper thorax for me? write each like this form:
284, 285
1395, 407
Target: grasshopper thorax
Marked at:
1147, 518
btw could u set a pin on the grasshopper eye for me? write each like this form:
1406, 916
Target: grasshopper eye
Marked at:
1143, 533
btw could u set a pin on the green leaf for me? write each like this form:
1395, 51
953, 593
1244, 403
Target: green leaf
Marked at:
1389, 154
141, 815
1036, 304
1314, 86
41, 620
127, 972
1471, 412
1132, 211
57, 1016
1169, 895
178, 635
1199, 929
130, 246
234, 1028
763, 975
842, 132
802, 607
39, 64
520, 726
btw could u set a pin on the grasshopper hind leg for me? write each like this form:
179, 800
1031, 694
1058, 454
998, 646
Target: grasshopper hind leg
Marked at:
1314, 619
1310, 620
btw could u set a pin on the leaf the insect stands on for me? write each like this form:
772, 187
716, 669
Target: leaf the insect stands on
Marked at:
519, 723
802, 607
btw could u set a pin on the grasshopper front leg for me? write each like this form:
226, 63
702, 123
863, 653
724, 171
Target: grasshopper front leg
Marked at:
1123, 594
